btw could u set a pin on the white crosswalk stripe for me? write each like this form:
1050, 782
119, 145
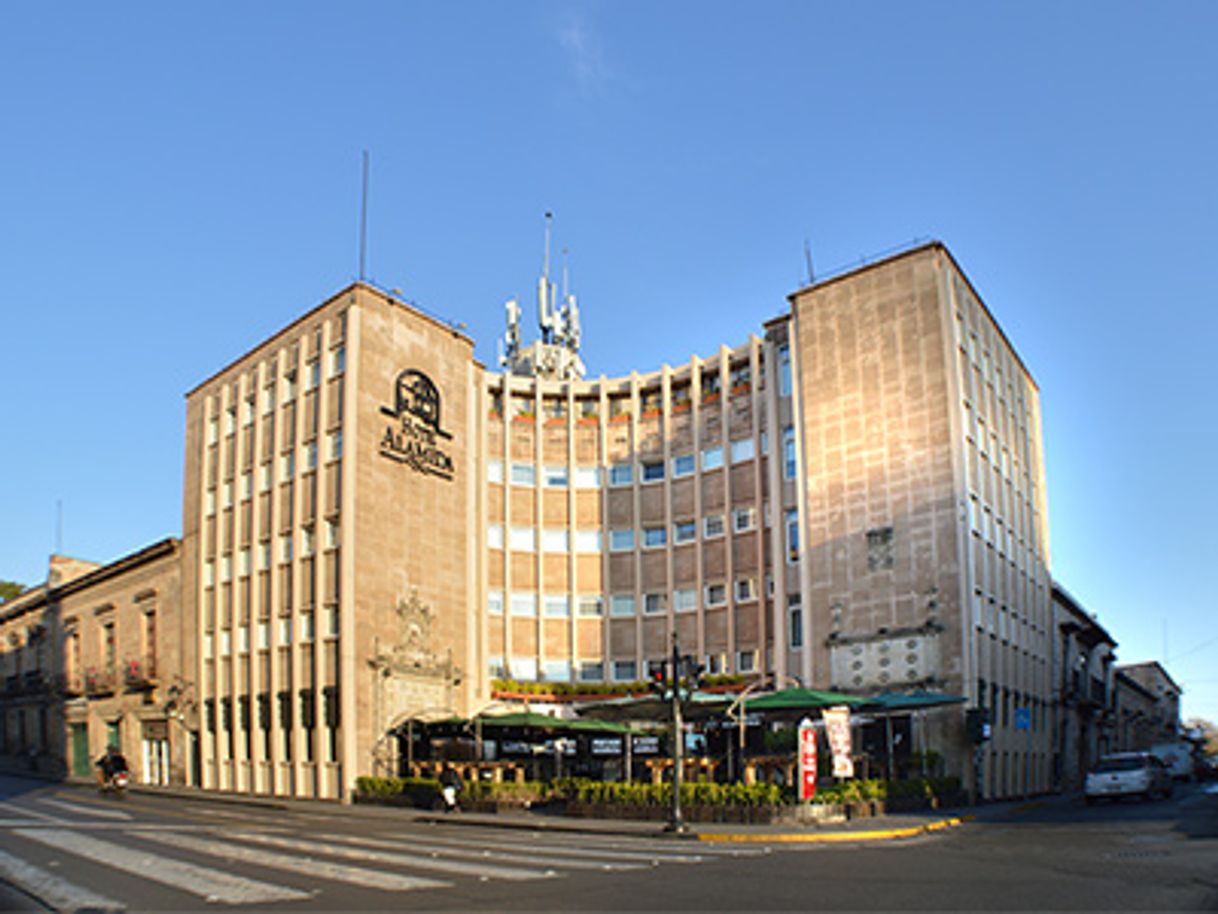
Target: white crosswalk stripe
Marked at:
646, 856
210, 884
309, 866
475, 853
430, 862
86, 810
52, 890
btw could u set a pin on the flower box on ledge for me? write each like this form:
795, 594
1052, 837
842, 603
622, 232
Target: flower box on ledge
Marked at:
620, 417
587, 420
681, 407
650, 414
524, 417
741, 389
710, 397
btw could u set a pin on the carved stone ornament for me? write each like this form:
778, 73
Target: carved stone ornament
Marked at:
413, 651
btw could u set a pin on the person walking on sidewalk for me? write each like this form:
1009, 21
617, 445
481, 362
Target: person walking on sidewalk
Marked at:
450, 787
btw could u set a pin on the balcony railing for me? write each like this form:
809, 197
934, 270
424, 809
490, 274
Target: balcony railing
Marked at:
139, 672
100, 681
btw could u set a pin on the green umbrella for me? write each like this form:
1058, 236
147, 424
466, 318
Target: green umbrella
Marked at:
801, 699
914, 701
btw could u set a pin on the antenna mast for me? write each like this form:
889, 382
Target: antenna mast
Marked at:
808, 261
363, 221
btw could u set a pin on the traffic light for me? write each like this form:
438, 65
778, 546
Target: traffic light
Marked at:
659, 677
977, 724
696, 671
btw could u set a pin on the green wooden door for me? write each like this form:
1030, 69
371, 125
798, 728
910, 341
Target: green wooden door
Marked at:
81, 763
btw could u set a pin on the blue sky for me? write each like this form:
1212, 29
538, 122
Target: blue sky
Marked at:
177, 181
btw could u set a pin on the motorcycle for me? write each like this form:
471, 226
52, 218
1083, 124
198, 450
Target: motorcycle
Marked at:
116, 784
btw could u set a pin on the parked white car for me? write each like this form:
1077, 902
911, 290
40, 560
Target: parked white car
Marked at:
1125, 774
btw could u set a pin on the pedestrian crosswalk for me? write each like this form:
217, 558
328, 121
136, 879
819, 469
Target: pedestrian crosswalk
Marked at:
78, 856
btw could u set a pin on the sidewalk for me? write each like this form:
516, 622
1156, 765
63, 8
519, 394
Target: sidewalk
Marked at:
896, 826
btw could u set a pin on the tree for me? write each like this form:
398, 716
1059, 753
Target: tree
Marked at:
1209, 732
10, 589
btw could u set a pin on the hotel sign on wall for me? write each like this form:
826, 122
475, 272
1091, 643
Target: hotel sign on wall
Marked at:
415, 437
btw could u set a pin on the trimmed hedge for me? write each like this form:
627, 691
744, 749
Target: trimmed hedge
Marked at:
875, 789
421, 792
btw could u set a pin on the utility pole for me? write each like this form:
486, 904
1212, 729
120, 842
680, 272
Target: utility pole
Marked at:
676, 822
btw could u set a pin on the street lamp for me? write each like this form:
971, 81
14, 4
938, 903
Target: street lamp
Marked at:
738, 706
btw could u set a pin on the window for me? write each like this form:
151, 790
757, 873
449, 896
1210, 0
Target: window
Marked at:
555, 477
746, 661
684, 599
765, 442
268, 399
712, 458
213, 430
230, 420
494, 536
621, 540
289, 386
621, 474
264, 556
742, 450
788, 452
682, 466
685, 531
587, 541
226, 496
243, 563
792, 521
264, 477
795, 621
247, 410
555, 541
494, 471
523, 604
591, 671
556, 670
654, 537
624, 671
494, 603
247, 486
716, 594
557, 606
285, 630
338, 360
784, 370
524, 668
306, 541
335, 440
879, 549
590, 605
312, 375
287, 467
524, 474
494, 667
587, 477
332, 533
226, 568
285, 547
621, 604
209, 574
653, 470
712, 526
523, 539
746, 589
654, 603
209, 502
744, 519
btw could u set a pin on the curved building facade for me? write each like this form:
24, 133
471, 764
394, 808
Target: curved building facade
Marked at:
376, 526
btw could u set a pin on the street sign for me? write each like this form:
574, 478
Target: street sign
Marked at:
1023, 718
807, 760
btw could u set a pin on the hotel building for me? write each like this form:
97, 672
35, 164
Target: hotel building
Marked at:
376, 526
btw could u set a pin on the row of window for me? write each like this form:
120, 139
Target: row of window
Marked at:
527, 669
302, 630
622, 539
263, 555
621, 605
287, 470
336, 365
623, 474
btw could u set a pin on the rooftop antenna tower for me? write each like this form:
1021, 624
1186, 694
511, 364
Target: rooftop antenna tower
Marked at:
545, 292
808, 261
363, 222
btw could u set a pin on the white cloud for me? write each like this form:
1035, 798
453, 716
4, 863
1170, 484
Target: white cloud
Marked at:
584, 52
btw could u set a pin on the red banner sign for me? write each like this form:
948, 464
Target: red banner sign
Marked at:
807, 761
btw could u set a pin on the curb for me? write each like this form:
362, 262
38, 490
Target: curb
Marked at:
841, 837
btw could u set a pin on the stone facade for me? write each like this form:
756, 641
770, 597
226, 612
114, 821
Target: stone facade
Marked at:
96, 658
1148, 705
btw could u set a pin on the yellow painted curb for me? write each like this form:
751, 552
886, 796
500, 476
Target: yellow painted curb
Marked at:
840, 837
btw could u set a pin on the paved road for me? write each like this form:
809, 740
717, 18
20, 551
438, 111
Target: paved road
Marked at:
76, 851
